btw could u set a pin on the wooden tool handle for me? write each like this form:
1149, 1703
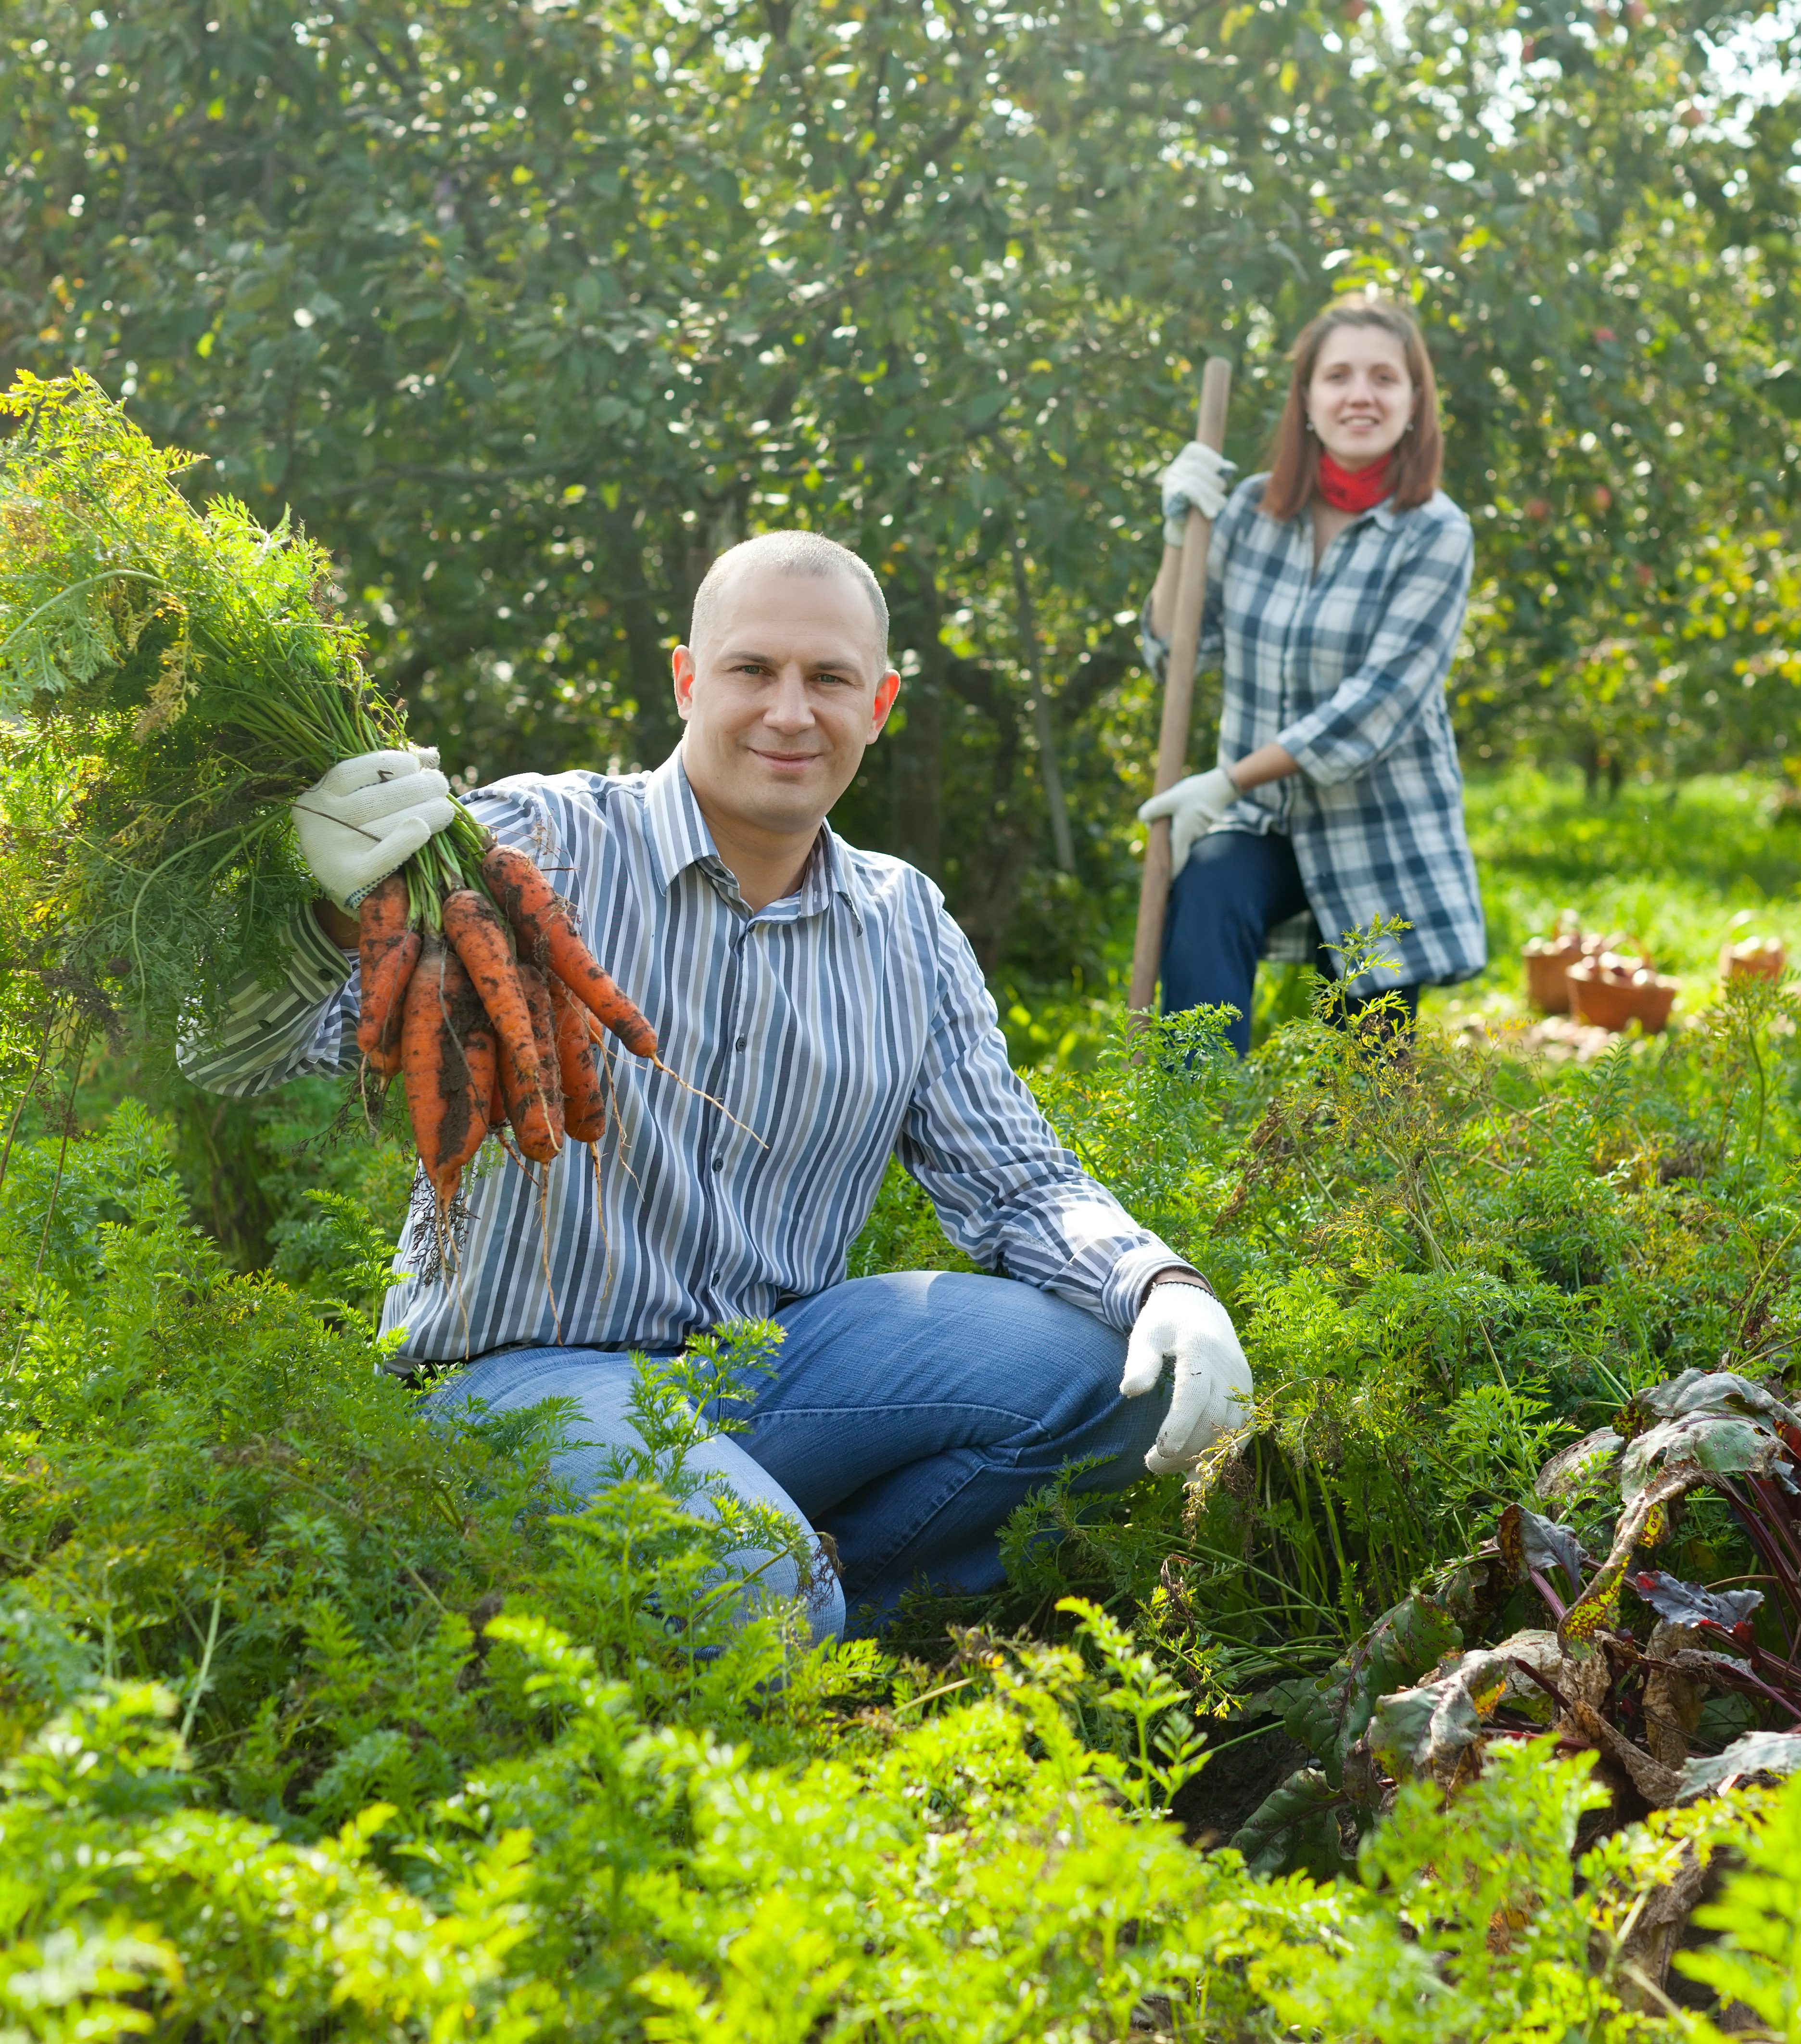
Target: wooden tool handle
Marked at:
1178, 693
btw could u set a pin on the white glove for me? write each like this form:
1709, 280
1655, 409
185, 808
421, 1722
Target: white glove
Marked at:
1193, 807
1197, 478
367, 817
1212, 1391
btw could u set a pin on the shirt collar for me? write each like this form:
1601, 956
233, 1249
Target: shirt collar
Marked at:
678, 833
679, 838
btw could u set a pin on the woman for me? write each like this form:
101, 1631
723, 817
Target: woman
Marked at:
1335, 592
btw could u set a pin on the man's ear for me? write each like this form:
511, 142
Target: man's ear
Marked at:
886, 689
681, 670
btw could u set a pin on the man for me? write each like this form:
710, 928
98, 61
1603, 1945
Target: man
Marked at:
826, 1000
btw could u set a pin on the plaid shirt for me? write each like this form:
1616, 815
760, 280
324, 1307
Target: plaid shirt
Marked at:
1346, 671
845, 1023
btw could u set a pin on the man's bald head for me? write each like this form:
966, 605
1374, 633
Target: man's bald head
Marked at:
786, 553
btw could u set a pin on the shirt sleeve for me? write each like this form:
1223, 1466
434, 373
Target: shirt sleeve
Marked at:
301, 1026
1006, 1192
1213, 643
1408, 658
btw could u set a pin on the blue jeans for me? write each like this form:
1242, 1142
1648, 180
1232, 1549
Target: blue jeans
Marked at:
907, 1416
1234, 890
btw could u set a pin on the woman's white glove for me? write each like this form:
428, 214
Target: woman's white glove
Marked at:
1183, 1323
367, 817
1198, 478
1193, 807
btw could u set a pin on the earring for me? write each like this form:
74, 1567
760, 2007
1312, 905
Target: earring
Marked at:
1312, 429
1410, 425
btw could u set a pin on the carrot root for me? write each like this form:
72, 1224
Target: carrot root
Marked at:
534, 1107
584, 1095
480, 940
543, 922
447, 1052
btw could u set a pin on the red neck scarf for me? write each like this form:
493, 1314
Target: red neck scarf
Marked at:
1354, 489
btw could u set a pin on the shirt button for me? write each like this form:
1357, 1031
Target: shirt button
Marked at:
740, 1043
718, 1163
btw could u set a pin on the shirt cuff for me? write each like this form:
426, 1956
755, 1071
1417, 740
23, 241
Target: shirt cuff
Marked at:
1128, 1283
1318, 758
1156, 650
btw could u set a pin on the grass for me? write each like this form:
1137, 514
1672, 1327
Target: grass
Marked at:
1682, 868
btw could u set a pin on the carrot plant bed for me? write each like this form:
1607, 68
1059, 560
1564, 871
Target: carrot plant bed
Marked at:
317, 1722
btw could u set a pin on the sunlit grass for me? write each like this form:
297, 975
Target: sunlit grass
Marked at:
1681, 871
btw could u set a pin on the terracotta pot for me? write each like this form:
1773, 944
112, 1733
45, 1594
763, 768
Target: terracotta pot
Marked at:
1757, 957
1603, 998
1656, 995
1619, 992
1546, 960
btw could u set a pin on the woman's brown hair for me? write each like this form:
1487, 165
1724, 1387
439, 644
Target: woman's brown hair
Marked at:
1294, 462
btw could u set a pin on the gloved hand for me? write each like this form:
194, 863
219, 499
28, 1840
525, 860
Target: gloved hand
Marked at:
1212, 1391
367, 817
1197, 476
1193, 807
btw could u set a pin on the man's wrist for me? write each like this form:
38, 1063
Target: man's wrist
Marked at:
344, 931
1176, 1273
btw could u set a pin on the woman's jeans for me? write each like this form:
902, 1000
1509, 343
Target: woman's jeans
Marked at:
1234, 890
907, 1415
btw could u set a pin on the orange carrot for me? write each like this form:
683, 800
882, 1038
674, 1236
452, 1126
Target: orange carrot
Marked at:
382, 920
534, 1109
384, 935
383, 1004
447, 1053
578, 1065
480, 939
546, 931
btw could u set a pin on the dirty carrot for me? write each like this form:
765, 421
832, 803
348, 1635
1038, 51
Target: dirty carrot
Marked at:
534, 1105
382, 920
384, 936
544, 924
480, 940
446, 1092
578, 1057
382, 1005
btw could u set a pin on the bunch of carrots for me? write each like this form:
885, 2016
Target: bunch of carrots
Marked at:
495, 1019
173, 675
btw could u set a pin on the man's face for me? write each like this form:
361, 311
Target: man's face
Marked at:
781, 698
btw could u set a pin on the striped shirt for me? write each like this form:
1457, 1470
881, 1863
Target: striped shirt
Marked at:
843, 1025
1345, 667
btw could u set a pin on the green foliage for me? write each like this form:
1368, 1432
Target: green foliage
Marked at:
1757, 1962
310, 1712
170, 680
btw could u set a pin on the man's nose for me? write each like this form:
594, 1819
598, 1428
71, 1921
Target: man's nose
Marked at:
788, 709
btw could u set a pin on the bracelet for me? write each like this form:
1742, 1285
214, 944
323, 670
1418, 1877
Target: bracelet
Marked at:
1192, 1278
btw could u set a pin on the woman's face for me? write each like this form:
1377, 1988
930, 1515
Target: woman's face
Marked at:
1360, 399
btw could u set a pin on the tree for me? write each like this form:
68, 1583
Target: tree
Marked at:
528, 310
